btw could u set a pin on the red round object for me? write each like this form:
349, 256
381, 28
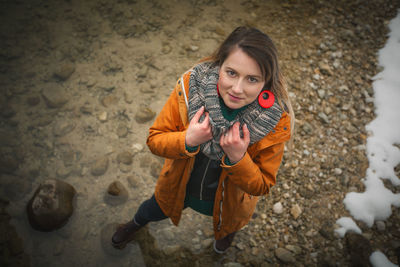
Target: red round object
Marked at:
266, 99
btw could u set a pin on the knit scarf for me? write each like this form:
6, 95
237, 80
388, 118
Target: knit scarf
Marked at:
203, 92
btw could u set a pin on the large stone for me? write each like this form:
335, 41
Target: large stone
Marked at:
51, 205
100, 166
54, 98
295, 211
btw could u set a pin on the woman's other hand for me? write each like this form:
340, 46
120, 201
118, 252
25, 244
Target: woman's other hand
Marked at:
198, 132
233, 145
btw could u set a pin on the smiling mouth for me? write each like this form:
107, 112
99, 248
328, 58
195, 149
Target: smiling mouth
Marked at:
234, 97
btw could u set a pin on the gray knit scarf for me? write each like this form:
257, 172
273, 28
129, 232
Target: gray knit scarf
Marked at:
203, 92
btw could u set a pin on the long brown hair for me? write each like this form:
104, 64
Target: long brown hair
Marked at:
260, 47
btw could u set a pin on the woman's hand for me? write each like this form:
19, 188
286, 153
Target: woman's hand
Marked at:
198, 132
233, 145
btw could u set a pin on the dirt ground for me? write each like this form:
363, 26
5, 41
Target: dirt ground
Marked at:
81, 82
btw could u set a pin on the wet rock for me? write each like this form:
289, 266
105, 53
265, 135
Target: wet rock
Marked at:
359, 249
14, 188
51, 205
116, 194
100, 166
278, 208
109, 100
284, 255
125, 157
64, 71
54, 98
63, 128
295, 211
144, 115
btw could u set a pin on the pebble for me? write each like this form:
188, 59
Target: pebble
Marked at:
64, 71
122, 131
103, 116
293, 248
109, 100
137, 148
54, 98
144, 115
100, 166
338, 171
284, 255
63, 128
125, 168
171, 249
207, 242
380, 225
295, 211
240, 245
323, 117
134, 180
125, 157
116, 194
278, 208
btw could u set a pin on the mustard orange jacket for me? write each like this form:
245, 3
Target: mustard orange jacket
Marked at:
239, 184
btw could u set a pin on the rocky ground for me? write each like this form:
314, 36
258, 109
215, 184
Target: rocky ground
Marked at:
81, 82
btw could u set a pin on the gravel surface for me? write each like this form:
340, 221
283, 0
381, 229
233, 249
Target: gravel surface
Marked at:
83, 80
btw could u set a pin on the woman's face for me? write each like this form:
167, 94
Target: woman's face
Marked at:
240, 79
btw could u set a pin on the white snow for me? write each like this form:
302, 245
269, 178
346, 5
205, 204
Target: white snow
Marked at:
383, 156
347, 224
378, 259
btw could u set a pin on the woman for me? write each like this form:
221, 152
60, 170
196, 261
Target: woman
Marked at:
222, 133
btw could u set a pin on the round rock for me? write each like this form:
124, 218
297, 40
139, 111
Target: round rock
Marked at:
51, 205
116, 194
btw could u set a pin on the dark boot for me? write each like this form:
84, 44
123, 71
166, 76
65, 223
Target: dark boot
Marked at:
124, 234
220, 246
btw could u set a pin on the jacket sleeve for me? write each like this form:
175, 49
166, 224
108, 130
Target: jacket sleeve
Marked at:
167, 134
256, 175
